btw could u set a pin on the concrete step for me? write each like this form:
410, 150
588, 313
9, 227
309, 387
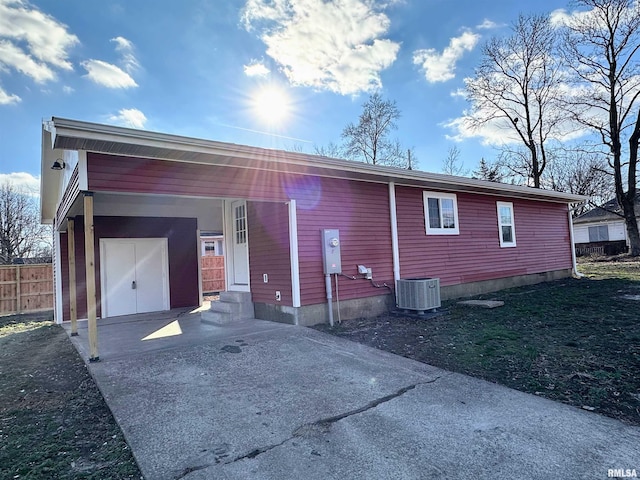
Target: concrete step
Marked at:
238, 310
231, 307
235, 297
215, 318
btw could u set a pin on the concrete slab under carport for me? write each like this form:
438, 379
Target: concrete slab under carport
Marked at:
296, 403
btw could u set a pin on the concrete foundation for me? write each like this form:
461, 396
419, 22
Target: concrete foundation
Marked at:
472, 289
373, 306
313, 314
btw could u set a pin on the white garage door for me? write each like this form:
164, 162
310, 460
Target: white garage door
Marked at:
134, 276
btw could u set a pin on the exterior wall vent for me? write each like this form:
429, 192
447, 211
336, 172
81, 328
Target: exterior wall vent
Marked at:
418, 293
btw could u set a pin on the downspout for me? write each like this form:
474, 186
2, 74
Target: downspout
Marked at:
295, 260
394, 236
574, 262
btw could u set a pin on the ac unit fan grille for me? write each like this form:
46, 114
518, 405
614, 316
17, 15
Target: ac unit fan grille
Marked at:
418, 293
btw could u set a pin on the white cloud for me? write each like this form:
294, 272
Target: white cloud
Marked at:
559, 17
440, 67
8, 99
129, 117
32, 43
496, 133
108, 75
336, 46
122, 44
487, 25
68, 90
125, 48
498, 130
13, 56
256, 69
22, 181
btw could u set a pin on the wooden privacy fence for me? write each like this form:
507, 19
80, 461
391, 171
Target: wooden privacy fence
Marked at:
212, 274
26, 288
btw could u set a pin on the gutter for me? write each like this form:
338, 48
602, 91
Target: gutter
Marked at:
73, 134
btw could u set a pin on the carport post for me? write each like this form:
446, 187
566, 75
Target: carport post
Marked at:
90, 262
71, 254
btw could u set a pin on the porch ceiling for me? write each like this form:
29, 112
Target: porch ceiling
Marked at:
75, 135
208, 211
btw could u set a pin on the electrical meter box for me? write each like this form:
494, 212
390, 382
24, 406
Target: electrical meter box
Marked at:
331, 251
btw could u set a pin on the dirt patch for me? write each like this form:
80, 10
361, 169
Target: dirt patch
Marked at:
54, 422
574, 341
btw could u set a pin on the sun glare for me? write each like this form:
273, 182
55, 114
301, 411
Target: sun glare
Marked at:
272, 105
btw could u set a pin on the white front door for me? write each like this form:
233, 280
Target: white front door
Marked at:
240, 243
134, 276
118, 260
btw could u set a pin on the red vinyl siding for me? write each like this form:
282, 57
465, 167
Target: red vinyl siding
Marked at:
182, 251
360, 210
269, 253
361, 213
110, 173
542, 239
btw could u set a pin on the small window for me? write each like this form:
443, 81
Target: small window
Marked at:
441, 213
599, 233
506, 224
209, 248
241, 225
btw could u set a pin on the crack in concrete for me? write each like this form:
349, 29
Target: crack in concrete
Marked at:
260, 451
323, 425
189, 470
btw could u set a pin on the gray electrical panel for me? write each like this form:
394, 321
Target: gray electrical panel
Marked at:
331, 251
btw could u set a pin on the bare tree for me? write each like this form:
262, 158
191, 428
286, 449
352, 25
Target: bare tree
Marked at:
601, 46
331, 150
452, 165
516, 88
583, 173
21, 234
368, 140
515, 165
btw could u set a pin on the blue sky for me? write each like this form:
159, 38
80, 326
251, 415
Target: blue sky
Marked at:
210, 69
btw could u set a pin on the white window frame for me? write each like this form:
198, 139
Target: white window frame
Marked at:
441, 230
508, 205
599, 229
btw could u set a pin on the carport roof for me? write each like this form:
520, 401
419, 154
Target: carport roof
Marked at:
64, 134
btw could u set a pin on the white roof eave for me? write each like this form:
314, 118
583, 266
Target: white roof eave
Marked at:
73, 134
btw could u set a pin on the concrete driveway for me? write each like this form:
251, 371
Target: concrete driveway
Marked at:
260, 400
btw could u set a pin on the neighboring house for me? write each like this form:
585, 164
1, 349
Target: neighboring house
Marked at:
211, 244
147, 197
602, 230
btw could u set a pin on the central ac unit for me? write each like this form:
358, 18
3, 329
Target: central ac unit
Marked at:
418, 293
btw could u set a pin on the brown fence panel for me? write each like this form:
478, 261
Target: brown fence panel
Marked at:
212, 274
26, 288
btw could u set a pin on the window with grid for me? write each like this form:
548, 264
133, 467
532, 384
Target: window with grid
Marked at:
241, 225
441, 213
506, 224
